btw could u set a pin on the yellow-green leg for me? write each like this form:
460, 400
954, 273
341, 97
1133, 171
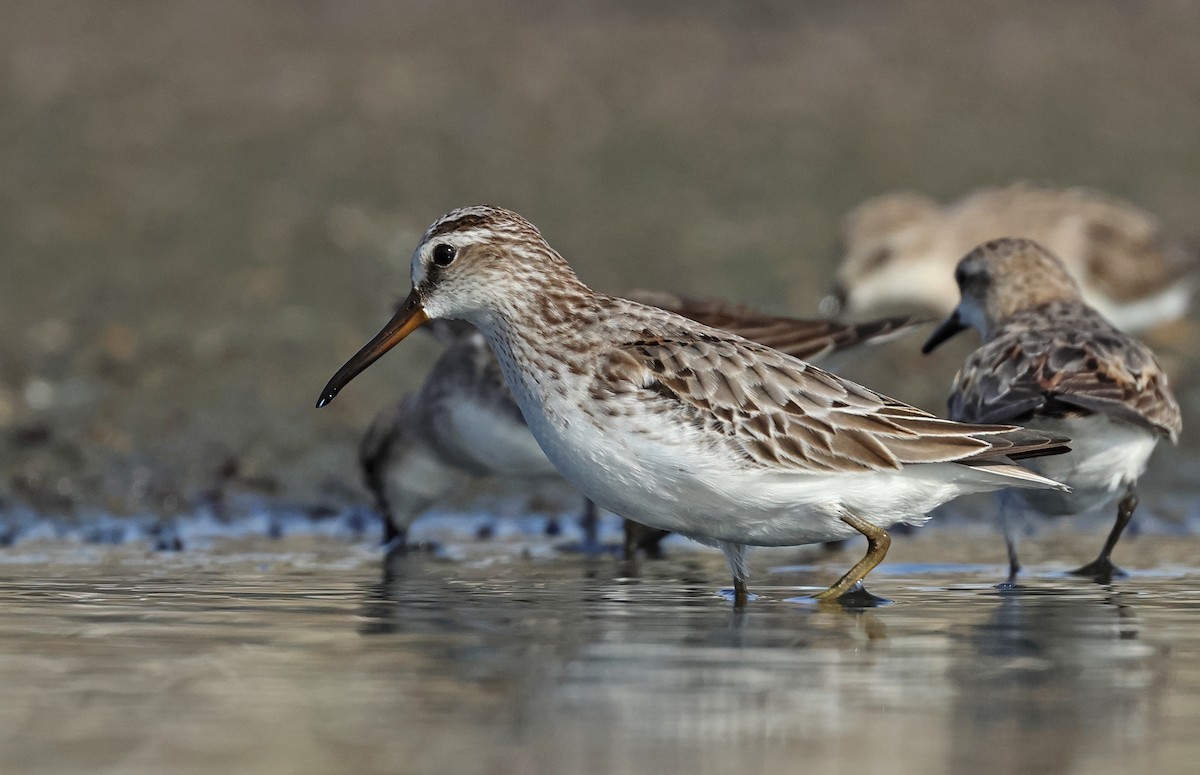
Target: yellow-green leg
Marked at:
878, 542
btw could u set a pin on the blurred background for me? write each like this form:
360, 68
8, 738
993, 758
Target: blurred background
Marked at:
206, 207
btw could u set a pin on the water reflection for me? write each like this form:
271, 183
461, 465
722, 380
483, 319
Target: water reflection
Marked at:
518, 664
658, 670
1051, 681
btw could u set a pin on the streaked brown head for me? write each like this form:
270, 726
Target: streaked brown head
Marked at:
1000, 278
470, 263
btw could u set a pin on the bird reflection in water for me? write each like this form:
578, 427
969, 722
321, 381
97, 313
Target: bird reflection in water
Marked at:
1050, 674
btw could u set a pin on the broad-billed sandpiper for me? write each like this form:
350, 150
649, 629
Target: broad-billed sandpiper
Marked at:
902, 248
688, 428
463, 421
1050, 361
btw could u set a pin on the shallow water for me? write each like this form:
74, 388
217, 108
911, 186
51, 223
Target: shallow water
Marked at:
303, 656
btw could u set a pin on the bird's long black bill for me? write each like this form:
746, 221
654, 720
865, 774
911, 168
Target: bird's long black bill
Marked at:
407, 319
949, 327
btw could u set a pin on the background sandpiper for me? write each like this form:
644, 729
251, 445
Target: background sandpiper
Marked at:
1050, 361
902, 248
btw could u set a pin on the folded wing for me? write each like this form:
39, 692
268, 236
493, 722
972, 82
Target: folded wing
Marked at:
781, 413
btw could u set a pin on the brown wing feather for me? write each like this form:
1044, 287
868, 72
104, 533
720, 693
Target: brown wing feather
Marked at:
1086, 367
798, 337
781, 412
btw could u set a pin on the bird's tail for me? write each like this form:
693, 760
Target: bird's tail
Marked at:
1020, 476
1018, 444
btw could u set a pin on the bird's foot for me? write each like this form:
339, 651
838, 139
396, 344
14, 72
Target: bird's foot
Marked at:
1100, 570
739, 599
855, 597
1010, 583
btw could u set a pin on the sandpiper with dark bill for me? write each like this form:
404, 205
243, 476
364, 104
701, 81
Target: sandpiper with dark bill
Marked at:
688, 428
1050, 361
463, 422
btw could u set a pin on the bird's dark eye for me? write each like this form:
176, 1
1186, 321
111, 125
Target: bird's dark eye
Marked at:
443, 254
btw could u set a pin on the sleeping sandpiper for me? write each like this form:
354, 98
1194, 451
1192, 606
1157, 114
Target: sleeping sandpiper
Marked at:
902, 248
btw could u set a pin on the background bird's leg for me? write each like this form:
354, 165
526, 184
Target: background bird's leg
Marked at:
629, 543
1009, 523
1101, 569
590, 522
650, 542
395, 540
646, 539
391, 533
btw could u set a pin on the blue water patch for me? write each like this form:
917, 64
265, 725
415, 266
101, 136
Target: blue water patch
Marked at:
256, 517
501, 522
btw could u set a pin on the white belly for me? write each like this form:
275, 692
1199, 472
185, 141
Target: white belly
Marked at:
669, 478
1105, 457
494, 440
